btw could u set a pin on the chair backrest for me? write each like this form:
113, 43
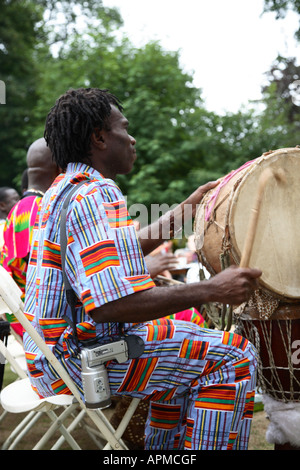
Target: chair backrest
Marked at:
10, 295
4, 351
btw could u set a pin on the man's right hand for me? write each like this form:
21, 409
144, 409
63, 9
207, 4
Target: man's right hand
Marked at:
234, 285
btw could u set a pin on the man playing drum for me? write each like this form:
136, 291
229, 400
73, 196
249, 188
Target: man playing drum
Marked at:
200, 382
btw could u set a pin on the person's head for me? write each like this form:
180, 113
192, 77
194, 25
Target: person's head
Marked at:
24, 180
8, 198
41, 169
87, 125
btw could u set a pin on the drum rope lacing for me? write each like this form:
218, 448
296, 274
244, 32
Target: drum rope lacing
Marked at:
213, 209
272, 386
211, 202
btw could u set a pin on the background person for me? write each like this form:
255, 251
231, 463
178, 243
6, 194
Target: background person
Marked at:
17, 234
8, 198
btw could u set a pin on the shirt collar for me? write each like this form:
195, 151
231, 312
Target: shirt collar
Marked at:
80, 167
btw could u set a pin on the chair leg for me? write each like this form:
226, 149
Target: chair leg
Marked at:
58, 424
71, 428
106, 429
21, 430
3, 415
95, 436
125, 420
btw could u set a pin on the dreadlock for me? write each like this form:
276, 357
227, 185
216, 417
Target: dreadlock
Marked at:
73, 119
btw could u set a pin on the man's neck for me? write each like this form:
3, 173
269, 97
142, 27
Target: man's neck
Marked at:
38, 192
38, 186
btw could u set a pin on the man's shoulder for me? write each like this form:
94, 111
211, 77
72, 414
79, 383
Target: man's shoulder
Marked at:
24, 205
94, 186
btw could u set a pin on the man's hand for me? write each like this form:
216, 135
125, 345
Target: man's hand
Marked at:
161, 262
165, 227
188, 207
196, 197
234, 285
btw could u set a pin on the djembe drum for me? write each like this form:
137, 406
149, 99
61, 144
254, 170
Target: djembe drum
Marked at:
277, 340
271, 319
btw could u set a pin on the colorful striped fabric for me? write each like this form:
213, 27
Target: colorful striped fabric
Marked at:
191, 315
104, 262
2, 225
200, 382
99, 256
199, 400
17, 238
117, 214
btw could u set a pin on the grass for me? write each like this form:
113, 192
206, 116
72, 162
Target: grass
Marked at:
259, 427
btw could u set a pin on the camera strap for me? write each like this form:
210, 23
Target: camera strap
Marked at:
135, 343
70, 294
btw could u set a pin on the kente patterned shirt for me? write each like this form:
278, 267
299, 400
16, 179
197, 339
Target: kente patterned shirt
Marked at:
200, 383
104, 262
17, 237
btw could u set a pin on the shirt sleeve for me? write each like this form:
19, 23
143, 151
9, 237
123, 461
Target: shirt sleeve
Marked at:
17, 238
104, 260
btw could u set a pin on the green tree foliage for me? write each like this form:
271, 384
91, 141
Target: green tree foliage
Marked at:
280, 7
19, 36
28, 29
158, 98
45, 50
283, 94
279, 122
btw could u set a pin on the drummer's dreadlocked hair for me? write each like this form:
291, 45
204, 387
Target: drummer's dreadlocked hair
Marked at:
72, 120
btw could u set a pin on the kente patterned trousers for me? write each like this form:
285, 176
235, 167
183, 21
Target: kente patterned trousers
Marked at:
200, 383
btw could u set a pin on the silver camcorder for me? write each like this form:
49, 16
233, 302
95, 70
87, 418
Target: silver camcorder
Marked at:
94, 374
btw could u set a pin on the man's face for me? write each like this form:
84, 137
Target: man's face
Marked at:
12, 197
121, 153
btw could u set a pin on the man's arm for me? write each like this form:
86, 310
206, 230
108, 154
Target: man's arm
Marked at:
232, 286
163, 229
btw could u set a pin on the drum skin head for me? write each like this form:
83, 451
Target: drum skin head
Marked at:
276, 247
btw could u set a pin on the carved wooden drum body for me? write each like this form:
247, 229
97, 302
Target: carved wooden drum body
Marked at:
278, 343
221, 223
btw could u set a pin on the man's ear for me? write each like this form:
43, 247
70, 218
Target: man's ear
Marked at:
97, 139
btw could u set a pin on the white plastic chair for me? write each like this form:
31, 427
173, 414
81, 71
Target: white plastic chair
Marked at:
19, 397
10, 297
8, 357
